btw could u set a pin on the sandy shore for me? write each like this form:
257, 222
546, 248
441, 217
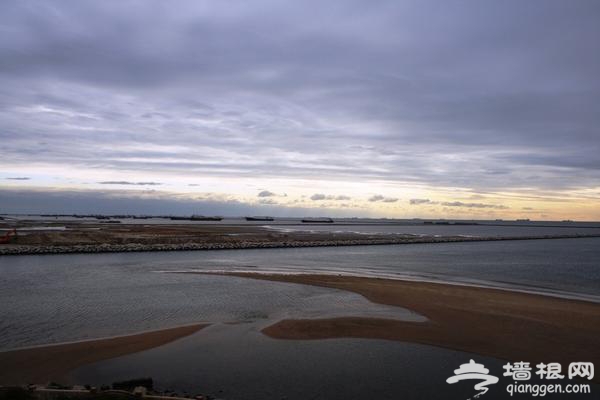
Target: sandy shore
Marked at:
503, 324
47, 363
498, 323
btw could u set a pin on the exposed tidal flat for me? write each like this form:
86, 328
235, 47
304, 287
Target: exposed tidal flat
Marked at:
51, 363
337, 356
294, 328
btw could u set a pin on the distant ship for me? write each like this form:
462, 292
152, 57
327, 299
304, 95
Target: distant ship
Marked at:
317, 220
203, 218
523, 220
259, 218
196, 218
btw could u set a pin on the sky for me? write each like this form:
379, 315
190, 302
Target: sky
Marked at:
399, 109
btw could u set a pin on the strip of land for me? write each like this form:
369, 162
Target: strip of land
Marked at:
48, 363
492, 322
80, 237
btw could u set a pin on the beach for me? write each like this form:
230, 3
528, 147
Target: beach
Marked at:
494, 323
491, 322
51, 363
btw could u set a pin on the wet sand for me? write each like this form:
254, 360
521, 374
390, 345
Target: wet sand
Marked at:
491, 322
46, 363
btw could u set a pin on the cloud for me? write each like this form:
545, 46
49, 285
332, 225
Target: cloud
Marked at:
414, 202
457, 204
19, 178
378, 197
503, 100
266, 193
473, 205
321, 196
267, 201
130, 183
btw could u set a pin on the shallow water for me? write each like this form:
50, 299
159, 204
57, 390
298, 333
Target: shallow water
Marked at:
81, 305
557, 265
238, 362
56, 298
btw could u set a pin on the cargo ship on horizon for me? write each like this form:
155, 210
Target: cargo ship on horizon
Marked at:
196, 218
323, 220
260, 218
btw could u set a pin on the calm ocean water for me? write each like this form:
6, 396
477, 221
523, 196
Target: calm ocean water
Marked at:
57, 298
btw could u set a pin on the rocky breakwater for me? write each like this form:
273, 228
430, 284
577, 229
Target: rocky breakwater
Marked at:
15, 249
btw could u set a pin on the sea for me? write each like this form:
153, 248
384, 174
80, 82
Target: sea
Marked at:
47, 299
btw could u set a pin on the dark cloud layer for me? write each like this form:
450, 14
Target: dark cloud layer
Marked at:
482, 95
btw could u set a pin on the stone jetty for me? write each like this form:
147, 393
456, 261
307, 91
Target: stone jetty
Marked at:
15, 249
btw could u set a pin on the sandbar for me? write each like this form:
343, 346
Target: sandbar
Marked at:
491, 322
47, 363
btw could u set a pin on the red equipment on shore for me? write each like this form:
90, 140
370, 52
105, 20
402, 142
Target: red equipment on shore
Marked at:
8, 236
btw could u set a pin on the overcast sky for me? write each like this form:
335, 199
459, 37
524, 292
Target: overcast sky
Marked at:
418, 108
